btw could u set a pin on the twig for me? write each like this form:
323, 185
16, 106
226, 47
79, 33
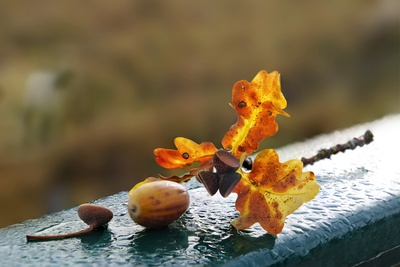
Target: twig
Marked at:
366, 138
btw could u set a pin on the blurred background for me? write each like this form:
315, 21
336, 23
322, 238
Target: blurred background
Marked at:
88, 89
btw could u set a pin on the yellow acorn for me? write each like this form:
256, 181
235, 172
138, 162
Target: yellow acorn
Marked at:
157, 203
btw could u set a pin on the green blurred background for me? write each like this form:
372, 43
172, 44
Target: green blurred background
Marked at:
130, 76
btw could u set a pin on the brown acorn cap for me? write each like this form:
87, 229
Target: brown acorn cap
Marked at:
210, 181
225, 162
93, 215
228, 182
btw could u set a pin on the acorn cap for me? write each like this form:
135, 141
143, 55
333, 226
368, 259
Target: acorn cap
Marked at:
210, 181
93, 215
228, 182
225, 162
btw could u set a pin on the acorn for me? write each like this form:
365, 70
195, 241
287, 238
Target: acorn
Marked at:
157, 203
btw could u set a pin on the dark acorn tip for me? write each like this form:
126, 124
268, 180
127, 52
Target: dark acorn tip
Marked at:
247, 164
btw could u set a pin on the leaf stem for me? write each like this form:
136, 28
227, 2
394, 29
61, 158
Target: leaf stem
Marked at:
365, 139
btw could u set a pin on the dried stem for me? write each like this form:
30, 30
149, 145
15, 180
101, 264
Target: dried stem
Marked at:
60, 236
366, 138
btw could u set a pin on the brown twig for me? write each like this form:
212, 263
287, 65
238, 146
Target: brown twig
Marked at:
366, 138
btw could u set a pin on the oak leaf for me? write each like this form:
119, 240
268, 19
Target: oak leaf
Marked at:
271, 191
187, 153
257, 104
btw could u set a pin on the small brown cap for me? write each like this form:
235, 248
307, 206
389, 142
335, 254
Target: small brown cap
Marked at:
94, 215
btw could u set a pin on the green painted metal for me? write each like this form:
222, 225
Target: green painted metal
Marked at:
354, 220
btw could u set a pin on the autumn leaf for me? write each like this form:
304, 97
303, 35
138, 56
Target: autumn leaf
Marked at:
271, 191
187, 153
257, 104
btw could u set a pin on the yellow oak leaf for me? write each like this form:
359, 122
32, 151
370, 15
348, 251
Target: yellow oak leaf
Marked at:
187, 153
257, 104
271, 191
147, 180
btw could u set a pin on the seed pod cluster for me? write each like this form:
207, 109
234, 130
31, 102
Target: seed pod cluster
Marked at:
225, 178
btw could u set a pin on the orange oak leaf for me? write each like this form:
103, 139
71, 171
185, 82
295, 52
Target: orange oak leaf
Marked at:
271, 191
257, 103
187, 153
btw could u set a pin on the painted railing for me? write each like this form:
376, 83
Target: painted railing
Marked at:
354, 220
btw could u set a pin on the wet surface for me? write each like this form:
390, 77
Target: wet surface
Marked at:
354, 218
